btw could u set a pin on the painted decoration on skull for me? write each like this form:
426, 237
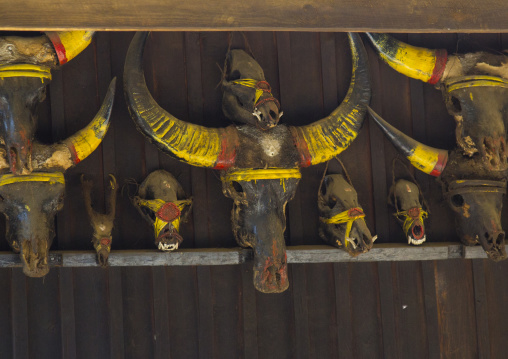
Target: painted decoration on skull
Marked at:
342, 220
162, 202
473, 174
259, 158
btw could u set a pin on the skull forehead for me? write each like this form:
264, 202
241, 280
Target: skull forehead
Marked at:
242, 65
31, 192
407, 194
337, 186
160, 184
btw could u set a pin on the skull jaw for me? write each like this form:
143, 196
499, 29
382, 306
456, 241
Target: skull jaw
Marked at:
494, 247
102, 257
168, 240
334, 234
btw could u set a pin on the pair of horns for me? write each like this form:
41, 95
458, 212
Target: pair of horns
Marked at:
61, 156
216, 147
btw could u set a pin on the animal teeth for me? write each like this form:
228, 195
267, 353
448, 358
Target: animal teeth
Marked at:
280, 114
352, 241
257, 113
374, 238
167, 247
416, 242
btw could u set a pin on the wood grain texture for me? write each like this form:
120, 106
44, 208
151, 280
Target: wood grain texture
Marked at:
311, 15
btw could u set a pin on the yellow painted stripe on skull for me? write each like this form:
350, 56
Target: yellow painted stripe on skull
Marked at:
412, 61
25, 70
250, 83
344, 217
10, 178
476, 81
424, 158
262, 174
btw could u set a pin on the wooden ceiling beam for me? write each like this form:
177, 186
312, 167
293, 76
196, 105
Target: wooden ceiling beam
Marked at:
259, 15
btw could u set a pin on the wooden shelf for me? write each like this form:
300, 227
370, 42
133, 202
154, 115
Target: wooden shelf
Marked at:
232, 256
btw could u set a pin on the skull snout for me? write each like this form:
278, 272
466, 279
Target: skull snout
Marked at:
271, 274
34, 255
493, 244
267, 115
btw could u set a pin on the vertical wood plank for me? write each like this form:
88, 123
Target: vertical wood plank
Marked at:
44, 323
19, 313
67, 311
6, 329
116, 323
162, 340
431, 309
455, 298
344, 311
249, 313
481, 309
387, 303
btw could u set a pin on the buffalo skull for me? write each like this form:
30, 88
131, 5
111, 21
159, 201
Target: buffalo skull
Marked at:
30, 202
25, 71
473, 174
259, 159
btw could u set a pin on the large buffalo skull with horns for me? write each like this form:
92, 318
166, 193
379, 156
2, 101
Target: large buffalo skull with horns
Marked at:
475, 89
30, 201
25, 70
259, 160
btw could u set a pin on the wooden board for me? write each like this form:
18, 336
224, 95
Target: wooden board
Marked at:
310, 15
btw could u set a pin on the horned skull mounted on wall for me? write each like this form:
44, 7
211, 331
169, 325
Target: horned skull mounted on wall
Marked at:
31, 174
259, 160
474, 174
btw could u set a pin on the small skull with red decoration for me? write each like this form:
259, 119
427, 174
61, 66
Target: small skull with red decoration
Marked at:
161, 200
342, 223
406, 198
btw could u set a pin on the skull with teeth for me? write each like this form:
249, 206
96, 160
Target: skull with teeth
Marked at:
405, 197
342, 221
161, 201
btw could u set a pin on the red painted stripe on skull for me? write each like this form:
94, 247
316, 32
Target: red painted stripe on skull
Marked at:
59, 47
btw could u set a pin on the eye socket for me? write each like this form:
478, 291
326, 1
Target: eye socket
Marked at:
235, 75
237, 187
457, 200
332, 201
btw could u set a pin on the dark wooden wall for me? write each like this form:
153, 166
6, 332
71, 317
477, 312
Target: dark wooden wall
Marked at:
452, 309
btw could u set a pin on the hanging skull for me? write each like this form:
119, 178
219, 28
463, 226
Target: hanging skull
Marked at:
405, 198
102, 223
25, 71
30, 202
161, 200
260, 160
341, 218
475, 89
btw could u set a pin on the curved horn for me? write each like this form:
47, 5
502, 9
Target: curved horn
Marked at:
415, 62
68, 44
79, 146
326, 138
193, 144
427, 159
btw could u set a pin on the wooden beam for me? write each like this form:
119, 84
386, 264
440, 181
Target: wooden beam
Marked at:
260, 15
231, 256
